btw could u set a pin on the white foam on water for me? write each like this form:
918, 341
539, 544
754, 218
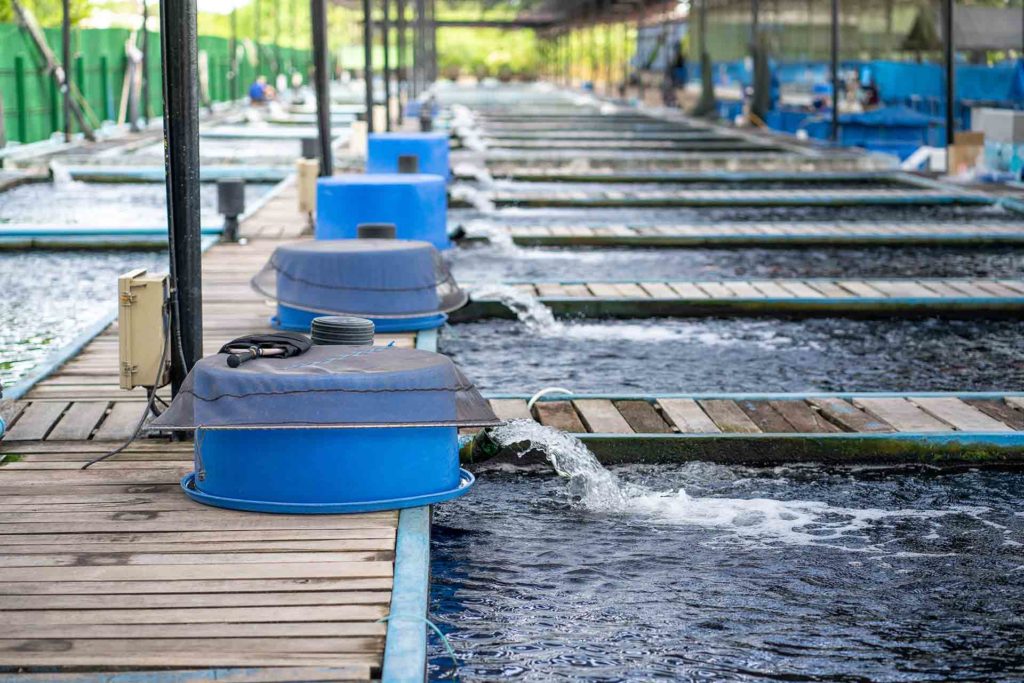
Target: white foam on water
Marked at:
62, 176
750, 520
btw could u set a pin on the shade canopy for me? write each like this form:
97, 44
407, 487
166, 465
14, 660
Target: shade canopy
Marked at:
328, 386
374, 278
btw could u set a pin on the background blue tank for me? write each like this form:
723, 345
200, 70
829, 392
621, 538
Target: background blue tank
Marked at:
430, 148
417, 204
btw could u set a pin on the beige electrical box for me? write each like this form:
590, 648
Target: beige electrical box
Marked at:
142, 345
307, 171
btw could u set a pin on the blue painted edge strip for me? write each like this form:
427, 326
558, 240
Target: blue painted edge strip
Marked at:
772, 396
52, 362
405, 649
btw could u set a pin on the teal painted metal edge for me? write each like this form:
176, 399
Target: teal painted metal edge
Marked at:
52, 362
426, 340
754, 238
771, 396
1002, 439
405, 649
155, 174
752, 200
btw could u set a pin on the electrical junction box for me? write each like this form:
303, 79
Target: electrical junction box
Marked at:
144, 350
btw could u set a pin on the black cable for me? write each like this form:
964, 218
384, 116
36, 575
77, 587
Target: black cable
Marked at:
150, 399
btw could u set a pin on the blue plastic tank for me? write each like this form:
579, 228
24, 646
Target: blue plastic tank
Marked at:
401, 285
430, 148
336, 429
417, 204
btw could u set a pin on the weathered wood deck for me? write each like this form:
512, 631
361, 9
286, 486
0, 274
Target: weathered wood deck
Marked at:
769, 235
793, 297
766, 429
113, 568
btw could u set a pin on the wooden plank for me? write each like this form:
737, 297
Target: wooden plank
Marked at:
850, 417
79, 421
277, 674
36, 421
687, 416
94, 659
559, 415
803, 418
120, 422
601, 417
205, 586
313, 629
184, 558
178, 601
999, 410
964, 417
902, 414
765, 417
510, 409
642, 417
197, 615
728, 417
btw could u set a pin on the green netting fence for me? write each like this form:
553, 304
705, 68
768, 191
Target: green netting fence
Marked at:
32, 106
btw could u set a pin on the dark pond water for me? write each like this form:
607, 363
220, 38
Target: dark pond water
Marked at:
50, 297
484, 263
104, 204
741, 355
791, 574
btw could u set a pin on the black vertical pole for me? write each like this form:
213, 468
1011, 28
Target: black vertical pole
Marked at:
368, 59
834, 65
65, 41
278, 69
432, 40
421, 46
257, 29
608, 59
318, 24
386, 39
144, 64
401, 65
233, 43
180, 58
639, 60
949, 67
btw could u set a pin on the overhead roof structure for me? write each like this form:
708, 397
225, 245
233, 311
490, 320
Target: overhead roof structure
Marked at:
562, 13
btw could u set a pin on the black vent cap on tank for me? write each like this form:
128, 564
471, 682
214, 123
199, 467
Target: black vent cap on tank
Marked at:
342, 330
408, 163
376, 231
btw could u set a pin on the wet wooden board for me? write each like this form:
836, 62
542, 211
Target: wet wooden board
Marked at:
811, 297
807, 233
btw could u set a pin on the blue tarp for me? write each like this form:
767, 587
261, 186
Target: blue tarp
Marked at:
368, 277
327, 386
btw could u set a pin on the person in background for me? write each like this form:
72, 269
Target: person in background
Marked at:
259, 91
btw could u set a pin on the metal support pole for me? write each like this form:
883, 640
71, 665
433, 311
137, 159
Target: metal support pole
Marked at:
386, 40
834, 65
431, 41
233, 46
65, 41
147, 107
640, 95
318, 23
257, 29
421, 46
368, 62
400, 61
949, 65
608, 60
180, 61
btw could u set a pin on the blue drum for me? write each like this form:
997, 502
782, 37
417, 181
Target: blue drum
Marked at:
402, 286
337, 429
431, 149
417, 204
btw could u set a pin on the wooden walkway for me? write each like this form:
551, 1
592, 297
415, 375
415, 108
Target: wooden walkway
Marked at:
527, 198
114, 568
780, 234
806, 297
767, 429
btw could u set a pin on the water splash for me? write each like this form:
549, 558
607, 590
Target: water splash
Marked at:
478, 198
750, 520
539, 319
61, 176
